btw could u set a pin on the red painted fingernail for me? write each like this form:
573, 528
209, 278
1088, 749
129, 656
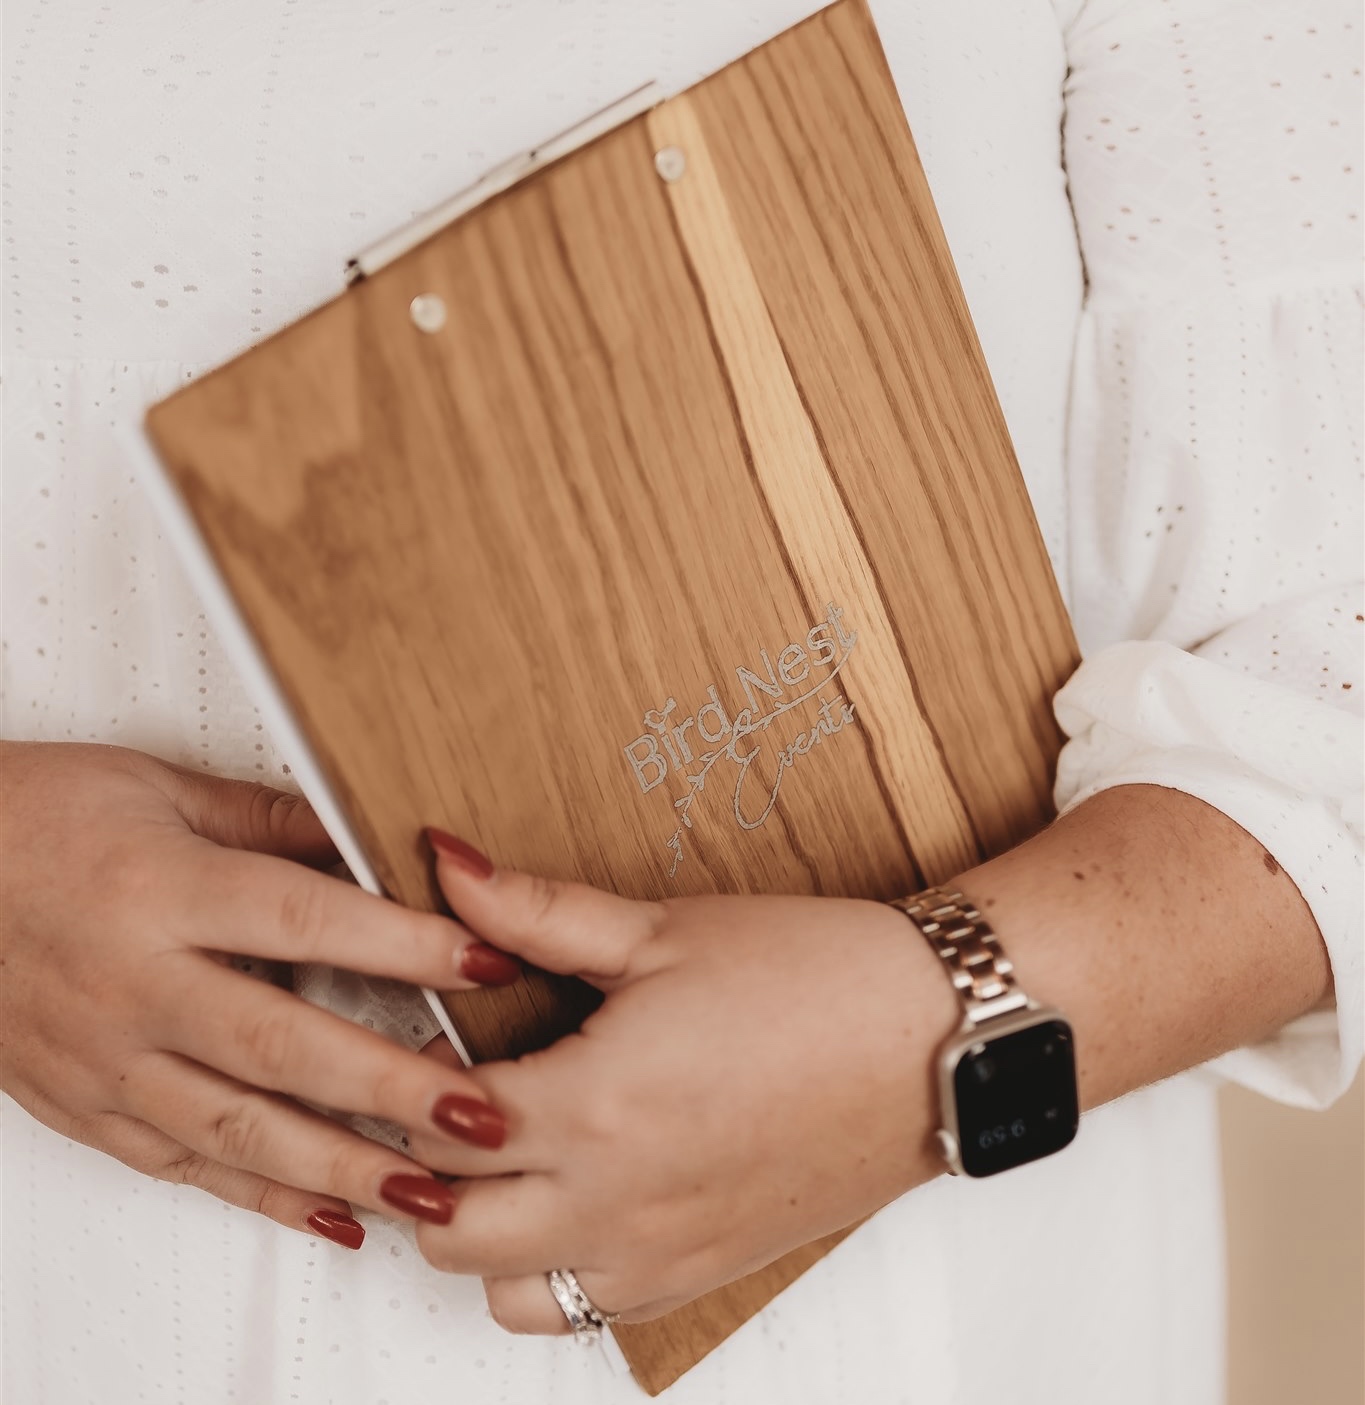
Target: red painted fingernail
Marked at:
340, 1229
470, 1120
421, 1197
489, 966
462, 855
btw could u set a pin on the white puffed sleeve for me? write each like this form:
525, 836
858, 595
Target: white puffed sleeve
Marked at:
1284, 764
1214, 456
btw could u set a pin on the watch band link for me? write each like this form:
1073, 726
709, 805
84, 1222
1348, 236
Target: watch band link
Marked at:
982, 974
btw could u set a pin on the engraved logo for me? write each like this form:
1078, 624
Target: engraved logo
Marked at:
694, 745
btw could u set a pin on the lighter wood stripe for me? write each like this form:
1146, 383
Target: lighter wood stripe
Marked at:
821, 541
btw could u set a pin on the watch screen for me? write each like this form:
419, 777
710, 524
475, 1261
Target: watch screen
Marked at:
1016, 1098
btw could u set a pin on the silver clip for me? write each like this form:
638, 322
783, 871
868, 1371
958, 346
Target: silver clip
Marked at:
391, 246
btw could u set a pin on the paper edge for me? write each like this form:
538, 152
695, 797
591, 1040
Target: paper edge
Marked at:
186, 540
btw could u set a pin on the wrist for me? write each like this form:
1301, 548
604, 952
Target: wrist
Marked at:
917, 1013
1163, 929
1006, 1076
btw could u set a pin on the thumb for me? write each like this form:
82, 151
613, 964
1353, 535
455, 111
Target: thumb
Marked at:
245, 815
569, 928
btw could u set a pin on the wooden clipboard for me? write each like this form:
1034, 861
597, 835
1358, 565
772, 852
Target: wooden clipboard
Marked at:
648, 517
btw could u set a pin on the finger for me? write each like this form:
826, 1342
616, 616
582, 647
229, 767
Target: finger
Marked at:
255, 905
441, 1154
569, 928
526, 1091
143, 1148
449, 1157
225, 1121
503, 1227
443, 1051
270, 1039
246, 815
526, 1304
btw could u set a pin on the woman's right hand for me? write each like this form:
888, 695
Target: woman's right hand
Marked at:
125, 886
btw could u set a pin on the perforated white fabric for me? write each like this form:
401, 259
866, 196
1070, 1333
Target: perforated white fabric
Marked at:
1214, 154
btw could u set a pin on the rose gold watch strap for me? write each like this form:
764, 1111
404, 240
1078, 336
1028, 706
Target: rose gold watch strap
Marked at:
982, 974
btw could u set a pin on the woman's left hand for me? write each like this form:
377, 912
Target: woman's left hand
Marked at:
757, 1076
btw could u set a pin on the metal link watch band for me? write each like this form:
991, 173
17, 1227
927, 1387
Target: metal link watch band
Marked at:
982, 974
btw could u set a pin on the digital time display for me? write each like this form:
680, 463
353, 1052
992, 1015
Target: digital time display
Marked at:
1016, 1098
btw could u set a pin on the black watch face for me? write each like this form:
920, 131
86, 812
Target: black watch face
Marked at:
1016, 1098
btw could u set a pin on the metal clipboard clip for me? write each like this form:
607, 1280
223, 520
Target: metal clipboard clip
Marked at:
392, 246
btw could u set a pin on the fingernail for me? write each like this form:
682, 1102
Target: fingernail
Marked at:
340, 1229
489, 966
420, 1196
463, 855
470, 1120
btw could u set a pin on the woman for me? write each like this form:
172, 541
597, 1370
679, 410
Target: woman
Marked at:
174, 193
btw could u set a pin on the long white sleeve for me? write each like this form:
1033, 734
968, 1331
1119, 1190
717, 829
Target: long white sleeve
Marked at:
1215, 451
1280, 763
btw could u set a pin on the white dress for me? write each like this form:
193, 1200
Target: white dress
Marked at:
1172, 318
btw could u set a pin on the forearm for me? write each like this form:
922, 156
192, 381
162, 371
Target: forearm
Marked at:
1164, 932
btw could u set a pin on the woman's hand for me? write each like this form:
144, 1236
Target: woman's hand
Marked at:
760, 1071
757, 1077
125, 883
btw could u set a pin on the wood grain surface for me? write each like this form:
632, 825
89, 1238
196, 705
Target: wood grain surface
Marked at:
689, 556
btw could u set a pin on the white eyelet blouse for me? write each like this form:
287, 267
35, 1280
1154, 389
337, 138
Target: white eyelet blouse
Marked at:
1155, 207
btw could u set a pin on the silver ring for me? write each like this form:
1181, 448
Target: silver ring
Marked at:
588, 1322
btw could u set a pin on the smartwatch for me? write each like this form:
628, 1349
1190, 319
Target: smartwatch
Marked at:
1007, 1076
